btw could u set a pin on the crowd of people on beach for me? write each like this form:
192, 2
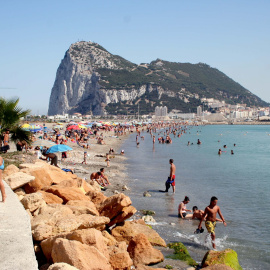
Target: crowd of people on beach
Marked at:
81, 136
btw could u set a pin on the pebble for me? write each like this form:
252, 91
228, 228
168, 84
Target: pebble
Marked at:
172, 223
124, 187
147, 194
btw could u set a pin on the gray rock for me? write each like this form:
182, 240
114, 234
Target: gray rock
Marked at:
147, 194
124, 187
148, 219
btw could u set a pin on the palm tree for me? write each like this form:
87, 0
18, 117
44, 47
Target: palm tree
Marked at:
10, 116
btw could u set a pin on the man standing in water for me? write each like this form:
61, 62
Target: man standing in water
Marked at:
210, 213
171, 178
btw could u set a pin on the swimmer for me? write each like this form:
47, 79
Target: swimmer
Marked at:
219, 151
210, 213
199, 142
232, 153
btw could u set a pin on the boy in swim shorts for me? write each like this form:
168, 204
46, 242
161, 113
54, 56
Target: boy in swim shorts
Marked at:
197, 214
210, 213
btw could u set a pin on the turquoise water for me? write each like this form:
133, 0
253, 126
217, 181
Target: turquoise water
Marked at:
240, 181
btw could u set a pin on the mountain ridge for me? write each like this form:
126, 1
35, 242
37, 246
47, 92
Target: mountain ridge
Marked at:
92, 80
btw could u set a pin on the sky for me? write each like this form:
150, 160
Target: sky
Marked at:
230, 35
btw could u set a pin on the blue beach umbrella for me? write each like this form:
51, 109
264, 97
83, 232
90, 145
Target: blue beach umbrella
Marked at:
58, 148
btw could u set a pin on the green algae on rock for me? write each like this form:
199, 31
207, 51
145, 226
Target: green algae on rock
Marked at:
181, 253
148, 212
227, 257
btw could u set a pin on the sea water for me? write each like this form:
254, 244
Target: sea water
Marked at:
241, 183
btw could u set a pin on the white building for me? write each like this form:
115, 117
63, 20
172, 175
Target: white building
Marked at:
161, 111
199, 111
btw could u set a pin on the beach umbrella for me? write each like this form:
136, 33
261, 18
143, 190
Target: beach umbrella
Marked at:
59, 148
25, 126
35, 127
98, 124
75, 127
82, 126
43, 143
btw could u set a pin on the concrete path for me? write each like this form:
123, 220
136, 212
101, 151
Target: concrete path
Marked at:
16, 244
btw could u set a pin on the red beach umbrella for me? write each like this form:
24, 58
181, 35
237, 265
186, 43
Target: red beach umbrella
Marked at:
75, 127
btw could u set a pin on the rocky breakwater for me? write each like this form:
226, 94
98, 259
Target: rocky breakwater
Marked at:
75, 226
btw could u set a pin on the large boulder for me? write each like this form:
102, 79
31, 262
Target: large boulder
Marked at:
57, 219
96, 197
45, 175
47, 245
63, 225
113, 205
142, 252
126, 213
9, 170
119, 257
111, 241
44, 224
227, 257
42, 179
94, 185
50, 198
89, 221
83, 207
58, 175
61, 266
79, 255
18, 179
68, 193
90, 237
77, 182
50, 213
129, 229
33, 201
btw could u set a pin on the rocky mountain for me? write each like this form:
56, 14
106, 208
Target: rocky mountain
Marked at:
92, 80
